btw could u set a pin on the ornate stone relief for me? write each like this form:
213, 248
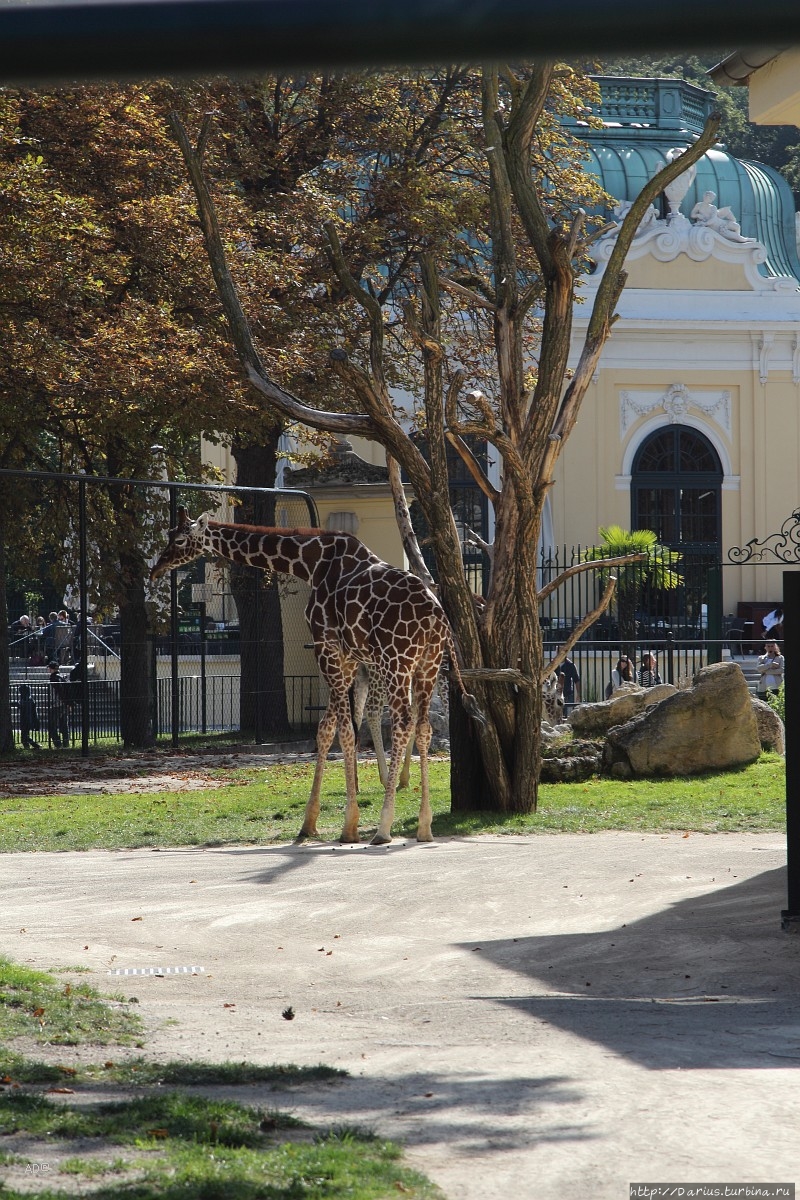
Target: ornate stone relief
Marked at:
675, 403
709, 232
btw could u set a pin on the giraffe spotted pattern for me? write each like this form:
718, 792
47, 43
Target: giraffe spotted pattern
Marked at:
361, 611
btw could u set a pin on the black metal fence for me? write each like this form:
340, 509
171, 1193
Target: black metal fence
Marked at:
224, 654
206, 651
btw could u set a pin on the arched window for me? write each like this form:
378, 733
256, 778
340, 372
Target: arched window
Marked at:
676, 486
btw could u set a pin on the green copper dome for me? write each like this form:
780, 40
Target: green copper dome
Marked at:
644, 118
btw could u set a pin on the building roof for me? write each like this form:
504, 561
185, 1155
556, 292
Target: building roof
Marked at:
644, 118
736, 69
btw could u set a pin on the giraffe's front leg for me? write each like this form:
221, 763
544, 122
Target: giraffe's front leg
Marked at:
347, 740
325, 734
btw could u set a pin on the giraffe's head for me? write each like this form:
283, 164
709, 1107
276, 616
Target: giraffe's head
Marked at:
187, 541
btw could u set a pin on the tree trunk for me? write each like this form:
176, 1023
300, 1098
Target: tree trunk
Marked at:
6, 731
262, 691
136, 650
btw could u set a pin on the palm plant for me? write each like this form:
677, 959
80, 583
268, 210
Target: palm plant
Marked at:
657, 567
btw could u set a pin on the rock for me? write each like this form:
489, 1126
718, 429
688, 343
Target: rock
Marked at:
591, 720
572, 769
709, 726
770, 727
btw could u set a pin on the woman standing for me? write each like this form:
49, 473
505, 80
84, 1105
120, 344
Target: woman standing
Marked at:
623, 673
648, 670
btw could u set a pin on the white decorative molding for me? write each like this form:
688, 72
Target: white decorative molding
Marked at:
710, 233
676, 403
796, 359
765, 344
676, 191
700, 423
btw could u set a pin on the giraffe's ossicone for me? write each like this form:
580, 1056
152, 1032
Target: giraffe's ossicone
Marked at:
361, 611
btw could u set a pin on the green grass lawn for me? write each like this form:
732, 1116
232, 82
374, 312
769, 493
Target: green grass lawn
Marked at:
163, 1140
266, 805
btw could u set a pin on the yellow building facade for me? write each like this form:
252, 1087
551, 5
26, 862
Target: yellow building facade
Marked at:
704, 361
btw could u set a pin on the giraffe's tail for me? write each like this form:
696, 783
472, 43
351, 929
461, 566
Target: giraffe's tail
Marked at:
471, 706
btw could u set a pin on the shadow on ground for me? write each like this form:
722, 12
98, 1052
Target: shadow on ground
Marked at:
711, 981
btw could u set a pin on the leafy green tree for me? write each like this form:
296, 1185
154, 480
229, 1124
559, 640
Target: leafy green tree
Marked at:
102, 299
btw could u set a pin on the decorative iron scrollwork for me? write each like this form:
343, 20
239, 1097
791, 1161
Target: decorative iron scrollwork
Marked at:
783, 546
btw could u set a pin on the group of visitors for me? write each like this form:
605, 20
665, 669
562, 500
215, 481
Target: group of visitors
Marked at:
41, 640
625, 672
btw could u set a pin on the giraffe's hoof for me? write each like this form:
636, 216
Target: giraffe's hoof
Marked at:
380, 840
423, 836
303, 834
349, 839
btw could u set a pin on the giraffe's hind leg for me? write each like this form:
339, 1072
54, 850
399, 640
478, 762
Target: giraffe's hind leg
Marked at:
402, 730
423, 694
325, 736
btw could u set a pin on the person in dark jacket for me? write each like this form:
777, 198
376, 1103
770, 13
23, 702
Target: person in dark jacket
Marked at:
28, 717
58, 713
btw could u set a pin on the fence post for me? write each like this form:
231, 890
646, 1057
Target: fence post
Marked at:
713, 633
790, 916
670, 657
173, 612
203, 686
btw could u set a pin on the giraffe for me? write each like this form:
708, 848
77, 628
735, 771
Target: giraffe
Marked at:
552, 699
361, 610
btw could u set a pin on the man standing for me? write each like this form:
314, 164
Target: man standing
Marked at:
770, 670
57, 711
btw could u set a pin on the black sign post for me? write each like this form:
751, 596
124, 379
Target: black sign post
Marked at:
790, 916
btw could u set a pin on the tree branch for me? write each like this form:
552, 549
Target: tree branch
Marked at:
581, 628
473, 466
409, 538
466, 293
277, 397
590, 564
610, 288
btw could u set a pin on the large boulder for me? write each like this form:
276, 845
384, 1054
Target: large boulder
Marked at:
593, 720
771, 732
709, 726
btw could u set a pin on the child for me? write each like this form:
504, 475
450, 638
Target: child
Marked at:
28, 717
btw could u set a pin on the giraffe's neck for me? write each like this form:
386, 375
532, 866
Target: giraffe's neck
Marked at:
289, 551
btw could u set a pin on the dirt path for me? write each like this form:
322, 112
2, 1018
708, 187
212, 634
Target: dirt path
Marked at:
548, 1018
142, 771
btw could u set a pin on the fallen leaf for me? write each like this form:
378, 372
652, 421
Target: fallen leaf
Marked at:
158, 1133
288, 1014
61, 1091
228, 1005
137, 918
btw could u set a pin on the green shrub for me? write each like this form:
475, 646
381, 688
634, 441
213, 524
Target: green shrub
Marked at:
777, 700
